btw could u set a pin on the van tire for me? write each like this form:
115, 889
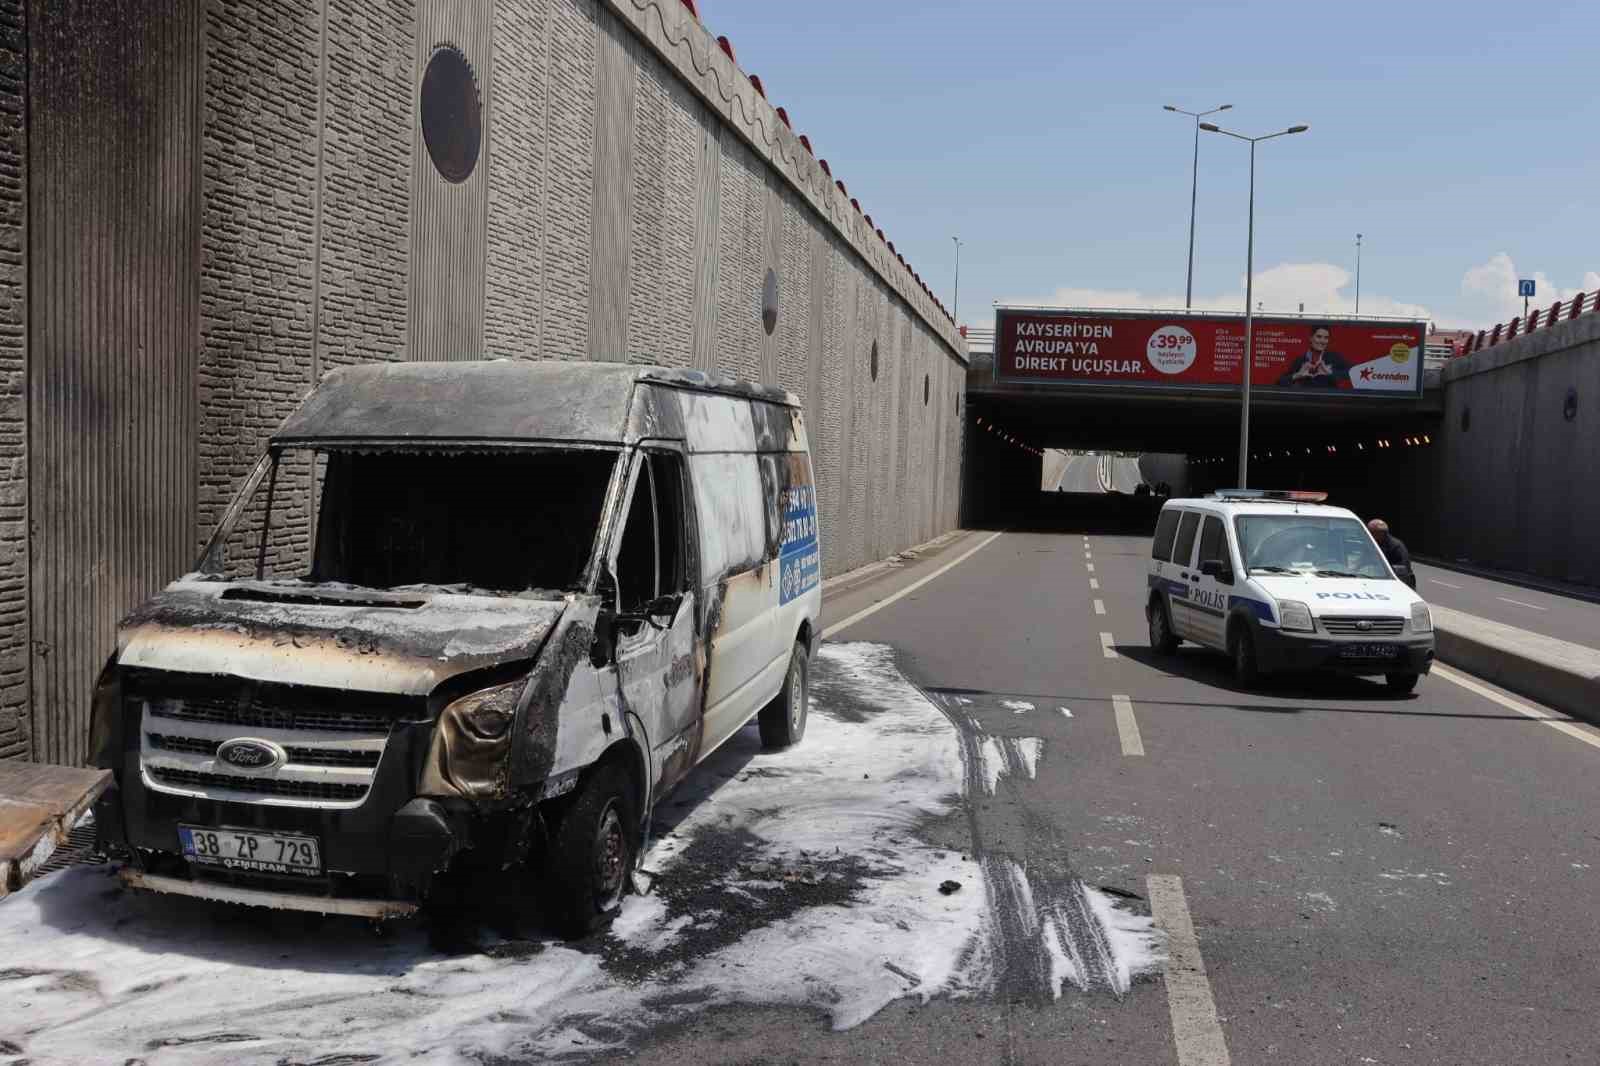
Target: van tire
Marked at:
1401, 684
1242, 647
783, 721
1162, 638
593, 852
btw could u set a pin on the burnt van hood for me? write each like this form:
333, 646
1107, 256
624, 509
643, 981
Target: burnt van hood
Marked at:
404, 643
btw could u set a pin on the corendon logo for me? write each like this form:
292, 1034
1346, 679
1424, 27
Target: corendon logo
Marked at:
1369, 374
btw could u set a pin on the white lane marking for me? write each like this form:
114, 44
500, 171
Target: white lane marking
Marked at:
1066, 711
1105, 646
1571, 729
1127, 726
1099, 606
1446, 584
909, 589
1195, 1028
1094, 582
1519, 603
1090, 566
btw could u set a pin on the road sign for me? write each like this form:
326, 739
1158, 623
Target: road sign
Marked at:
1525, 287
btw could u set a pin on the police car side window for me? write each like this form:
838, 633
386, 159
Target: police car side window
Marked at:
1166, 533
1213, 545
1185, 549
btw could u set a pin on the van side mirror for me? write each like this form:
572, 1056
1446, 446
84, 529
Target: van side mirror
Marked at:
1218, 569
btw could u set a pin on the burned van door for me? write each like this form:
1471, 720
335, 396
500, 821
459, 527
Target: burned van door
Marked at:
659, 666
737, 581
794, 542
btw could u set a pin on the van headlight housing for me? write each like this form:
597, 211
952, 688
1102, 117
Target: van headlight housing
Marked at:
470, 754
1421, 618
1294, 617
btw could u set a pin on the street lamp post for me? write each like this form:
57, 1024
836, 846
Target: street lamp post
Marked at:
1194, 187
1249, 291
955, 301
1358, 273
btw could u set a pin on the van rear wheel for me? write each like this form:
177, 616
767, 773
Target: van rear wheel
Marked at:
593, 853
783, 721
1162, 638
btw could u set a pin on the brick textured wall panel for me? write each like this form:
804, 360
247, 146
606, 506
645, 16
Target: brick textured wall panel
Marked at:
15, 726
569, 189
368, 114
258, 236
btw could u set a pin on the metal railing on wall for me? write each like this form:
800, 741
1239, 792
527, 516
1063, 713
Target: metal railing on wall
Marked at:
1560, 311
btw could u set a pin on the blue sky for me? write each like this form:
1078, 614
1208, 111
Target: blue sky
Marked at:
1462, 140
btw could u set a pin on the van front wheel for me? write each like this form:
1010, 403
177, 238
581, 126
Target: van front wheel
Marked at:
783, 721
593, 852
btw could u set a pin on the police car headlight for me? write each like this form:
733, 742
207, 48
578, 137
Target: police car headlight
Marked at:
1294, 616
1421, 619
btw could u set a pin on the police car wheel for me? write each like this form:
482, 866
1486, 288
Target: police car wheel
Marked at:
1401, 683
1242, 646
1162, 638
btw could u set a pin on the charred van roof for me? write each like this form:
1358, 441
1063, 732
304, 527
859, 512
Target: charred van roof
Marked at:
499, 400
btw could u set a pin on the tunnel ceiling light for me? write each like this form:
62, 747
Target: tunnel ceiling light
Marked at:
1427, 439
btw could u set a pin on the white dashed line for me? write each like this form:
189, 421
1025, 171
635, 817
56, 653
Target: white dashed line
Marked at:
1090, 566
1446, 584
1099, 606
1573, 730
1106, 647
1094, 583
1195, 1028
1127, 726
1519, 603
914, 586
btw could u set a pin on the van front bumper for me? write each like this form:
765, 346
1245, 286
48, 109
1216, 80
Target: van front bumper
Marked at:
1280, 652
388, 850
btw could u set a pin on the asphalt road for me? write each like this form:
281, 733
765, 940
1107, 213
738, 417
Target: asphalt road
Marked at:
1369, 879
1556, 616
1096, 473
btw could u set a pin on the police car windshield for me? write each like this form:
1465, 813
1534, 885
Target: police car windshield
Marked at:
1329, 547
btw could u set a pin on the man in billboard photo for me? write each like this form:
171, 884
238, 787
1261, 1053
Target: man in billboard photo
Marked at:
1319, 367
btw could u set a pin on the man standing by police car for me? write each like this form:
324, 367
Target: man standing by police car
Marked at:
1394, 550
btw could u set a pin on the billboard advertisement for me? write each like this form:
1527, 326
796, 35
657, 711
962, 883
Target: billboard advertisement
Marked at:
1204, 351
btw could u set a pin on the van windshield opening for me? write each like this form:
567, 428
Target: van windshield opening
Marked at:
465, 520
1308, 544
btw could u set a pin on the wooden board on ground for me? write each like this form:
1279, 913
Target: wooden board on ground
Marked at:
39, 805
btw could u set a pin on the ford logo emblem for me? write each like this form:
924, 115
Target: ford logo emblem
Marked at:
251, 756
1364, 625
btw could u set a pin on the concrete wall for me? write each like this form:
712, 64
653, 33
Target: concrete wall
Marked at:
1514, 483
632, 198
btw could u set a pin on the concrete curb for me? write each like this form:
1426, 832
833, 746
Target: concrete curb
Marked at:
836, 586
1556, 673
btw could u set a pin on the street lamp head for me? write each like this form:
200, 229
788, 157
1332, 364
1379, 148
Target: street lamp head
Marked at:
1168, 107
1210, 127
1297, 129
1225, 107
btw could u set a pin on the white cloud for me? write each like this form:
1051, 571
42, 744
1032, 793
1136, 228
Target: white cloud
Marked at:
1490, 291
1323, 289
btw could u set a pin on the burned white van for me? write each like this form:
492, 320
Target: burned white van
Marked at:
473, 612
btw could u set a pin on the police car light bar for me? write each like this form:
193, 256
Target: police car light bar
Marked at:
1297, 496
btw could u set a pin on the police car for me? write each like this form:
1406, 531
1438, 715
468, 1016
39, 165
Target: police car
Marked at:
1281, 582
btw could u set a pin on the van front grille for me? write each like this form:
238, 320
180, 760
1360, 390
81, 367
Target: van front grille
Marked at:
1365, 627
331, 742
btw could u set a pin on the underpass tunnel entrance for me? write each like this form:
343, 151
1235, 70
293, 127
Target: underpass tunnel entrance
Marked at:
1106, 462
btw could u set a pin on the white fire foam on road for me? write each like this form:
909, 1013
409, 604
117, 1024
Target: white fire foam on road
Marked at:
93, 973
